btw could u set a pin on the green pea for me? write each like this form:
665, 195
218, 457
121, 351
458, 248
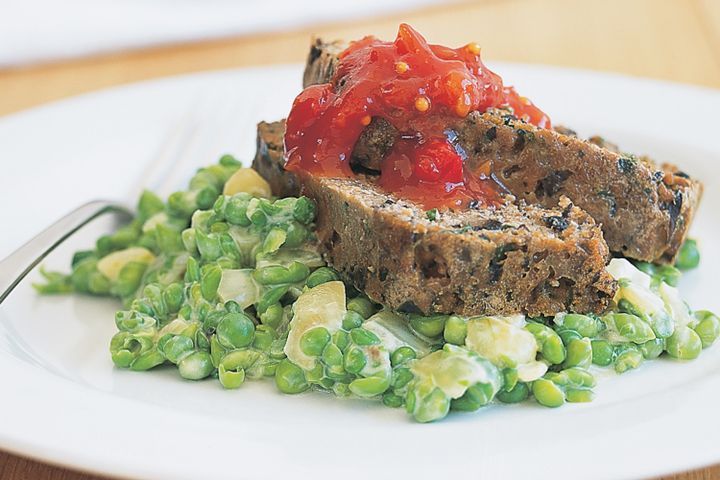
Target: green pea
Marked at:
341, 339
332, 356
290, 378
229, 160
270, 367
212, 320
401, 377
217, 351
196, 366
236, 210
668, 274
579, 353
104, 245
684, 344
455, 330
296, 235
304, 210
55, 282
315, 375
510, 378
192, 271
185, 312
320, 276
274, 239
173, 297
547, 393
205, 177
277, 349
129, 278
258, 218
341, 389
271, 297
122, 358
364, 337
206, 197
201, 341
147, 360
585, 325
98, 284
240, 359
392, 400
432, 326
191, 329
352, 320
628, 358
177, 347
231, 378
273, 316
228, 246
126, 347
550, 344
219, 206
689, 256
81, 256
208, 245
337, 373
603, 353
402, 355
567, 335
275, 274
189, 241
632, 327
210, 281
652, 349
231, 306
264, 337
427, 408
326, 383
572, 377
362, 306
235, 330
168, 239
369, 387
707, 328
313, 341
579, 395
148, 205
518, 394
354, 360
475, 397
133, 321
181, 204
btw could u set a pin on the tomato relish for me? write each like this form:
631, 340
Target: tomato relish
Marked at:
421, 90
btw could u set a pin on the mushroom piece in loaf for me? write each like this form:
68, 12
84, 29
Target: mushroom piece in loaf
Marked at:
645, 210
496, 260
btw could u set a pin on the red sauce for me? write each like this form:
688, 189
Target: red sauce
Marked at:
420, 89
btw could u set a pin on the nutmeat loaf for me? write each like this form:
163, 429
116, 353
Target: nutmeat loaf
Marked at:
499, 260
645, 210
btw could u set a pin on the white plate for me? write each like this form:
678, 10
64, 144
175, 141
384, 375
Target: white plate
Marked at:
62, 401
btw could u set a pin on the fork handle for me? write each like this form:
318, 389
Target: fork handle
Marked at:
19, 263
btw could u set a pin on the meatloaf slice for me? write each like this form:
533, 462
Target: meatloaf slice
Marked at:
645, 210
498, 260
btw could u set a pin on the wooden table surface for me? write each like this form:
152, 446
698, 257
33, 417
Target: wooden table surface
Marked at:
675, 40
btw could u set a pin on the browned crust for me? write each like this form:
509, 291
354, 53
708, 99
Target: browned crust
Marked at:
645, 210
486, 261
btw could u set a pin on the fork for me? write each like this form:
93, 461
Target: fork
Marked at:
173, 153
17, 265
